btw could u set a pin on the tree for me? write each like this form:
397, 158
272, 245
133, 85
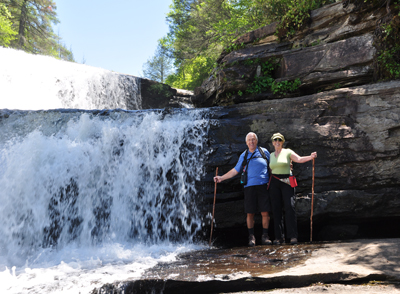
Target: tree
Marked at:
192, 74
62, 52
158, 67
7, 34
201, 29
33, 20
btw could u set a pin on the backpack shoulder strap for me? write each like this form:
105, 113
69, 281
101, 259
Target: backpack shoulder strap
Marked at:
245, 158
263, 155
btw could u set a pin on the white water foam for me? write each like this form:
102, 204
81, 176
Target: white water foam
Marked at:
77, 270
34, 82
88, 198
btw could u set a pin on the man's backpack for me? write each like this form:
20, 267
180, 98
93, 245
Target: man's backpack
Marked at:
262, 154
243, 177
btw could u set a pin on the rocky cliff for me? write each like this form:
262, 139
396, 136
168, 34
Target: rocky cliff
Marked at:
338, 110
356, 132
338, 48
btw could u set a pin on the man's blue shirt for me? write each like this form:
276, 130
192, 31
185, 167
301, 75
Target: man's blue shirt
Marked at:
257, 168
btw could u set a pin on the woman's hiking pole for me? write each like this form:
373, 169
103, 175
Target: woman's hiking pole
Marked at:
215, 196
312, 197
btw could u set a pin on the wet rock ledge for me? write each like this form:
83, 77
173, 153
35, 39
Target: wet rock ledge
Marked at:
265, 268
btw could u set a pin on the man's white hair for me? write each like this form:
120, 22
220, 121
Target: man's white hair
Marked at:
251, 133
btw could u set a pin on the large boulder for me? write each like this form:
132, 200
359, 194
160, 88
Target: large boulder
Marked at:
155, 95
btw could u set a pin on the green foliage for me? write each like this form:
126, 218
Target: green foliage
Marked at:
234, 47
33, 20
296, 14
390, 62
266, 82
31, 24
388, 45
7, 33
285, 87
61, 52
160, 91
192, 74
158, 67
249, 62
316, 43
201, 29
269, 66
260, 84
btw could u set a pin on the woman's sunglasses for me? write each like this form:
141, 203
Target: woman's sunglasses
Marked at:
278, 139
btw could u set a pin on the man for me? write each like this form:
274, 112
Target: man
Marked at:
256, 196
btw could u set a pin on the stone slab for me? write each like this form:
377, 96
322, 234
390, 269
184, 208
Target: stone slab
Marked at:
361, 257
316, 267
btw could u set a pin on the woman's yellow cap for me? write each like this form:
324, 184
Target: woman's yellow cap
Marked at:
278, 135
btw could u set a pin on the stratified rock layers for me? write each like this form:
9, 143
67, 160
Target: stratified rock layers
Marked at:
356, 132
335, 50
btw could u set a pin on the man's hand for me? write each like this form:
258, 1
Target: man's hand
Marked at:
218, 179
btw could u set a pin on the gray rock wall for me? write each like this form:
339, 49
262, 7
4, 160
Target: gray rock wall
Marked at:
353, 123
157, 95
356, 132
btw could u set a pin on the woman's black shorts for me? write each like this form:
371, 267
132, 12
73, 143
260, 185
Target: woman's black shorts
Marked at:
256, 199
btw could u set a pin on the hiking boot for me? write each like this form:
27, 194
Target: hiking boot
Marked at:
293, 241
252, 241
276, 242
265, 240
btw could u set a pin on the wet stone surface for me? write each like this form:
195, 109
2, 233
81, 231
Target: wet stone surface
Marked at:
269, 268
232, 263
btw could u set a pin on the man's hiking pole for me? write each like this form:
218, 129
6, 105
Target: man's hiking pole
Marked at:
312, 197
215, 196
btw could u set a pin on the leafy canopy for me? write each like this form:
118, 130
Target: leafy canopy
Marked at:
7, 33
199, 30
28, 26
158, 67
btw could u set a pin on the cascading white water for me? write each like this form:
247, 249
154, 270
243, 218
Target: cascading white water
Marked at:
88, 192
33, 82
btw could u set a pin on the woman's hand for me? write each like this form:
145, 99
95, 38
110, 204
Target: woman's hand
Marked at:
302, 159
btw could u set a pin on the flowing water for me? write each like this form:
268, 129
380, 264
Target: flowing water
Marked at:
33, 82
91, 197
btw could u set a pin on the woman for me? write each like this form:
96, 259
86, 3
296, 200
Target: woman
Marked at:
282, 195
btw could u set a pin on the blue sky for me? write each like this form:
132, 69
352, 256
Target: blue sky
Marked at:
118, 35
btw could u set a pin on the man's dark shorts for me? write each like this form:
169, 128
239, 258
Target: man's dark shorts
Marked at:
256, 199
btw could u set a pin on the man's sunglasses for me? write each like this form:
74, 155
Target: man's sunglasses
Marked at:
278, 139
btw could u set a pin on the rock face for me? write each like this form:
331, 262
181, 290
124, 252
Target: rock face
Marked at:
356, 132
156, 95
337, 110
335, 50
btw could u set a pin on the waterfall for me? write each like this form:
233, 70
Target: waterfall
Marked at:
34, 82
75, 183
